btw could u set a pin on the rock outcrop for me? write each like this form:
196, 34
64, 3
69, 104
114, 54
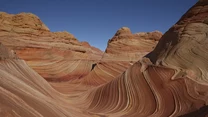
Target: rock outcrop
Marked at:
59, 56
54, 55
125, 46
122, 51
24, 93
169, 81
184, 46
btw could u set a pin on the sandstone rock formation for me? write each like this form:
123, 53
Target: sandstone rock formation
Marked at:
175, 84
59, 56
184, 46
51, 54
125, 46
169, 81
24, 93
122, 51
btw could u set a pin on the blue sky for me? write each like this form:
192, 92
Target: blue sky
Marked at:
96, 21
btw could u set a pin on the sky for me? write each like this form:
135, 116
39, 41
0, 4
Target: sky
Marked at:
96, 21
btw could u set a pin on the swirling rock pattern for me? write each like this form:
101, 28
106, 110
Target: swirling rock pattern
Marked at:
48, 53
59, 56
148, 93
175, 84
24, 93
169, 81
122, 51
184, 46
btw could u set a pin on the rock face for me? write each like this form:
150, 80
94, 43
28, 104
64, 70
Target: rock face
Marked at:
5, 53
169, 81
24, 93
59, 56
184, 46
51, 54
125, 46
122, 51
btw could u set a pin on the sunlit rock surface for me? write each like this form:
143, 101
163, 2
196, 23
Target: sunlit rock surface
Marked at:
169, 81
184, 46
125, 46
24, 93
60, 57
122, 51
54, 55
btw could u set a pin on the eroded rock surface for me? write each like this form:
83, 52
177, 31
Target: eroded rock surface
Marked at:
169, 81
59, 56
172, 83
184, 46
125, 46
54, 55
